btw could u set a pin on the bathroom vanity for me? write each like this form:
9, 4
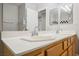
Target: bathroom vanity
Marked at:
62, 45
65, 47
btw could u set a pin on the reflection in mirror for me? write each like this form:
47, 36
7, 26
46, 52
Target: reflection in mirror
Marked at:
26, 16
66, 14
13, 16
42, 20
53, 16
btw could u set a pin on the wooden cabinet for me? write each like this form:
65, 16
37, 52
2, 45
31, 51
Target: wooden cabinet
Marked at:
38, 52
41, 54
70, 51
65, 53
7, 51
65, 48
55, 50
74, 42
1, 48
65, 44
74, 49
69, 41
73, 39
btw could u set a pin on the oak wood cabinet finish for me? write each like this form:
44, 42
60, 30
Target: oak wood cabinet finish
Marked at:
70, 51
65, 44
55, 50
38, 52
1, 48
69, 41
65, 53
7, 51
74, 49
64, 47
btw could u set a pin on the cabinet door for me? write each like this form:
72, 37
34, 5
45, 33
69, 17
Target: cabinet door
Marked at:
73, 39
55, 50
70, 51
38, 52
74, 49
7, 51
74, 42
1, 48
69, 41
65, 44
64, 54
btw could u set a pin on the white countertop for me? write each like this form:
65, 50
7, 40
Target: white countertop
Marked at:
20, 47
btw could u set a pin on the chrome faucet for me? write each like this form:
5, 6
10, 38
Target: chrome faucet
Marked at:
35, 31
58, 30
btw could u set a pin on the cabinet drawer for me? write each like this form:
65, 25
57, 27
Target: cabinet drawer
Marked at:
64, 54
70, 51
74, 49
55, 50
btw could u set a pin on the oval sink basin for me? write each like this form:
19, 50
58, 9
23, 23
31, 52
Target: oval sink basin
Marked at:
39, 38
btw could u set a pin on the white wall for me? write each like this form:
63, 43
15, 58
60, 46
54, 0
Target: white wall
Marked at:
76, 16
76, 21
10, 17
32, 19
0, 16
46, 5
33, 6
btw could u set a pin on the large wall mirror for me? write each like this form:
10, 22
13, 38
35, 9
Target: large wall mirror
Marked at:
28, 16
